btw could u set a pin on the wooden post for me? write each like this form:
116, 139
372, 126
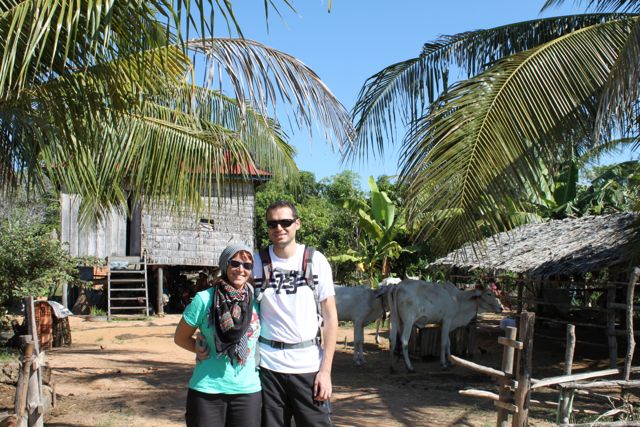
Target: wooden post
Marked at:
35, 379
20, 401
520, 295
566, 396
31, 323
522, 395
507, 367
65, 295
611, 326
159, 300
631, 342
472, 331
34, 399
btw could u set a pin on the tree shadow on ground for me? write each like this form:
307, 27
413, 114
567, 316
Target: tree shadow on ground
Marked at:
158, 388
429, 396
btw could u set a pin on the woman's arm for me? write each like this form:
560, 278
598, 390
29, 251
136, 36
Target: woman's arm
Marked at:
184, 336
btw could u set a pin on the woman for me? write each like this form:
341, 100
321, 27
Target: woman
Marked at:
225, 387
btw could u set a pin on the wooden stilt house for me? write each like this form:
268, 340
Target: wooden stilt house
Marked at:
147, 252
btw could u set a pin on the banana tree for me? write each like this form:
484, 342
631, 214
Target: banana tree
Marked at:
614, 188
380, 225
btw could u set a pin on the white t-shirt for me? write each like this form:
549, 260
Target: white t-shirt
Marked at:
288, 310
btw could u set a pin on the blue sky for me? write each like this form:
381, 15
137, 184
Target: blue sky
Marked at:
360, 37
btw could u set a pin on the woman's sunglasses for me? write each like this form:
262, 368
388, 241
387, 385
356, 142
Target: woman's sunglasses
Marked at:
284, 223
246, 265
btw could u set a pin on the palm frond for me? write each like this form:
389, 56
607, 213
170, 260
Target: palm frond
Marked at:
49, 38
610, 146
482, 143
403, 90
44, 39
262, 135
619, 6
155, 140
266, 77
385, 95
618, 109
158, 153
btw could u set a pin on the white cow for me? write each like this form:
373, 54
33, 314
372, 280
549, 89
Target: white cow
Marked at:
361, 305
419, 302
387, 281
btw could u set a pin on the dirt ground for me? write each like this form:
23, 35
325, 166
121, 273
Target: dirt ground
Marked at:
130, 373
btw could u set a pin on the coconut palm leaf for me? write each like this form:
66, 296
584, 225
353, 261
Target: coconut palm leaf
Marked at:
623, 6
267, 76
403, 90
88, 150
618, 109
45, 39
608, 147
80, 59
164, 150
482, 143
64, 108
95, 92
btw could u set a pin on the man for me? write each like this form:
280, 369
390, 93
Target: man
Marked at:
203, 282
295, 364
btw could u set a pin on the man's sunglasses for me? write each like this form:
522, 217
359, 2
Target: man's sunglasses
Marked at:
284, 223
246, 265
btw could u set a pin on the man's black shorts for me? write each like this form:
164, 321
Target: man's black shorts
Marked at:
291, 395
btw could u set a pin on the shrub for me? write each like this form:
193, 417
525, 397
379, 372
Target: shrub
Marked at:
32, 262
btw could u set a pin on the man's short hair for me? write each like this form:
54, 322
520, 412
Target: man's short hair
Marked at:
282, 204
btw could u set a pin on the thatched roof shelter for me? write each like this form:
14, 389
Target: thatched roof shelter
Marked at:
568, 247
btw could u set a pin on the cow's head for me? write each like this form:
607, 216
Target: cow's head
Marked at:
383, 293
487, 300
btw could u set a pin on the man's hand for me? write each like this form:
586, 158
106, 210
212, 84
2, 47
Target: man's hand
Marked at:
322, 386
202, 349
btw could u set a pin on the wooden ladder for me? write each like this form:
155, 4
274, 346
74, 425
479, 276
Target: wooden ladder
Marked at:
127, 293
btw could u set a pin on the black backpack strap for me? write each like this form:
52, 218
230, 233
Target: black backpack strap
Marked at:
307, 271
265, 259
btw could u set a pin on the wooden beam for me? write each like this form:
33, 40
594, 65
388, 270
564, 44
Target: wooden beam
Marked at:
554, 405
510, 343
574, 377
505, 406
160, 291
477, 368
20, 402
483, 394
631, 343
31, 323
565, 401
504, 393
523, 392
601, 384
479, 393
611, 327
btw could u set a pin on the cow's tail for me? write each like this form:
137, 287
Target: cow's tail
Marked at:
396, 324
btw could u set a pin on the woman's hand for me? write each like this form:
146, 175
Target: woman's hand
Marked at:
202, 349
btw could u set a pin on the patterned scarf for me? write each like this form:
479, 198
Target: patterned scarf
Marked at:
231, 316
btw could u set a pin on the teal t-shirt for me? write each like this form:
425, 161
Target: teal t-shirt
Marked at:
217, 374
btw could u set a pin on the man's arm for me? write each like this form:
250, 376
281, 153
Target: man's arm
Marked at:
322, 387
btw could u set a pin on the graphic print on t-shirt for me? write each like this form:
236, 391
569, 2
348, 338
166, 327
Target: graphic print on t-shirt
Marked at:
288, 281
